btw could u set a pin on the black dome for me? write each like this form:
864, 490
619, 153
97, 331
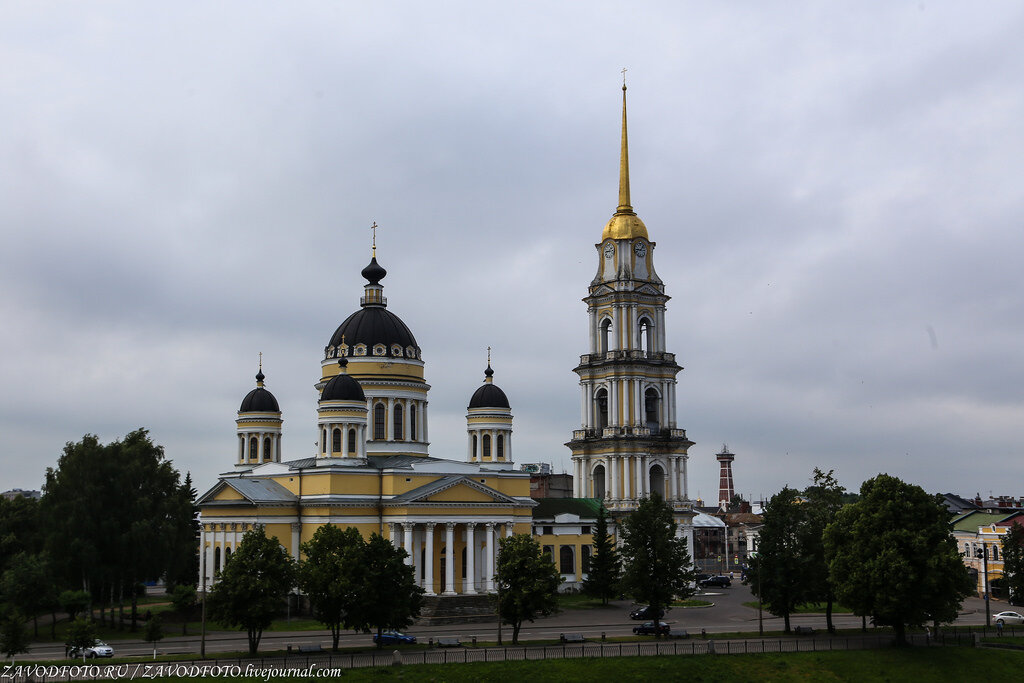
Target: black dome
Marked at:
374, 325
374, 272
343, 387
259, 400
488, 396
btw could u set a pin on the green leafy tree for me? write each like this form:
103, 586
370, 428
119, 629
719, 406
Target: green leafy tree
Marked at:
80, 635
13, 636
390, 598
252, 585
331, 575
20, 528
824, 499
112, 515
183, 598
28, 586
605, 566
656, 563
1013, 562
74, 602
154, 632
778, 577
891, 556
528, 582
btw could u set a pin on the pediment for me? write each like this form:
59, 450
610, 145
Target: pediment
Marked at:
452, 489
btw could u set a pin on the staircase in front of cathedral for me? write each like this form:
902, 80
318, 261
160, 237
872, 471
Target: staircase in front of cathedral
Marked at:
438, 610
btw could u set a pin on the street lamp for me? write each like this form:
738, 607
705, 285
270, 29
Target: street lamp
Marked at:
983, 553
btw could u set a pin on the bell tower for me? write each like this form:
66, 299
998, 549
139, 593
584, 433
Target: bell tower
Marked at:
629, 445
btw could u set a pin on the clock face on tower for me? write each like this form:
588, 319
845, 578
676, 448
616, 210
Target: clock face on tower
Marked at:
640, 249
609, 250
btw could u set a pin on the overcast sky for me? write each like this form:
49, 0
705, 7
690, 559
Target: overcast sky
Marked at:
835, 190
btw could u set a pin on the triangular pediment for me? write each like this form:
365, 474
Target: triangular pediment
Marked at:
452, 489
255, 491
647, 289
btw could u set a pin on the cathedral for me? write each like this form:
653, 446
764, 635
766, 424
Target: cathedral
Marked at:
372, 469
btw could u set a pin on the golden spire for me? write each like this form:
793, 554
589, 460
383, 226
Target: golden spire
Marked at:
374, 228
625, 224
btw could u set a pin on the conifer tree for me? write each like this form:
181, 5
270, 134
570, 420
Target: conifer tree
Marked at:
605, 566
1013, 563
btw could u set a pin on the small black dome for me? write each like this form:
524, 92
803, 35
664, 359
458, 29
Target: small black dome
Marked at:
343, 387
259, 400
374, 272
488, 396
374, 325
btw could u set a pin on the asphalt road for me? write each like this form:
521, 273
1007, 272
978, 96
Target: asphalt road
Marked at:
726, 615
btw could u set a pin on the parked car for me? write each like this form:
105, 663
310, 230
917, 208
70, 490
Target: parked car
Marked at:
645, 612
97, 649
394, 638
701, 577
1009, 618
650, 628
719, 581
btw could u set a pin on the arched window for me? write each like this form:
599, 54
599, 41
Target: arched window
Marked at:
651, 401
463, 562
241, 447
379, 421
487, 447
412, 423
601, 398
605, 336
500, 446
657, 480
351, 442
645, 341
397, 430
585, 552
323, 440
216, 560
336, 441
266, 449
599, 482
227, 556
476, 454
995, 553
254, 446
566, 560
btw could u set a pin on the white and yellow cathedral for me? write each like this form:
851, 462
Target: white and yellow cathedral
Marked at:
372, 469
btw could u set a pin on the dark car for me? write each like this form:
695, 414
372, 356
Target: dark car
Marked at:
650, 628
719, 581
394, 638
701, 577
645, 612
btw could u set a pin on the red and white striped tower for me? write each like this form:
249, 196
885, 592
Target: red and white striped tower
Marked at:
725, 487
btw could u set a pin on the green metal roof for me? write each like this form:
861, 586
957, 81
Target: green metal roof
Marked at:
548, 508
972, 520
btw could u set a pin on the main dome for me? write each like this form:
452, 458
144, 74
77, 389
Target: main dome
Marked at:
374, 325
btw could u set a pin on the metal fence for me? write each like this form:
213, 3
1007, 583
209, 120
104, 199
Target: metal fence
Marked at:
384, 658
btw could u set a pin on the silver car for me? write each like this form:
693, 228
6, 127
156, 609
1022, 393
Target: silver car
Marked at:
97, 649
1009, 618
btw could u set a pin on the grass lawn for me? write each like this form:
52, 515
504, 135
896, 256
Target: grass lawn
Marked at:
933, 664
581, 601
693, 603
810, 608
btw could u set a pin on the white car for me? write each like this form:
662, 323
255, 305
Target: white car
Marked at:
1009, 618
97, 649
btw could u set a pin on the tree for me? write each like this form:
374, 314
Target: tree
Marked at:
13, 636
28, 586
252, 585
74, 602
527, 582
656, 564
824, 499
389, 595
80, 635
331, 575
153, 632
605, 566
183, 598
19, 528
891, 556
113, 513
778, 576
1013, 562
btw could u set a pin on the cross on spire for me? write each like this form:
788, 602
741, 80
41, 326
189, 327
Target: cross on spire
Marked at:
623, 78
261, 361
374, 228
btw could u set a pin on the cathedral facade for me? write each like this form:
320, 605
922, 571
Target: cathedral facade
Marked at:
372, 469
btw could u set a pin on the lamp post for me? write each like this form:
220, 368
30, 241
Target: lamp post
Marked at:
984, 584
760, 618
202, 642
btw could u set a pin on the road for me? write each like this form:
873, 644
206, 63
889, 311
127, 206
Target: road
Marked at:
726, 615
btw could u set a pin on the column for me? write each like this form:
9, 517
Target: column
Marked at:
425, 438
686, 479
509, 528
593, 329
583, 405
489, 576
296, 531
428, 570
613, 464
613, 403
405, 420
449, 558
407, 531
643, 477
470, 587
639, 476
392, 535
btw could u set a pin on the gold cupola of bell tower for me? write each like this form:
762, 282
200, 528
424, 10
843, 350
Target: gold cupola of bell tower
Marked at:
624, 224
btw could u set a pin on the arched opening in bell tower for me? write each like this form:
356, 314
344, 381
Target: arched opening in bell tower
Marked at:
645, 336
651, 410
601, 399
599, 477
657, 481
605, 336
